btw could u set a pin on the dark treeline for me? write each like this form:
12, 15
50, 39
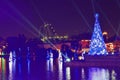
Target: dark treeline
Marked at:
35, 47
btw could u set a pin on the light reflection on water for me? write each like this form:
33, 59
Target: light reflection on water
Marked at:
12, 69
50, 64
3, 65
82, 74
28, 66
113, 75
98, 74
68, 77
0, 68
30, 69
60, 70
12, 66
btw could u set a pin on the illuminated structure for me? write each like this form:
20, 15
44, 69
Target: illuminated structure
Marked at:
97, 45
105, 36
49, 33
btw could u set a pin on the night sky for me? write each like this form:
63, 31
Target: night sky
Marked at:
68, 17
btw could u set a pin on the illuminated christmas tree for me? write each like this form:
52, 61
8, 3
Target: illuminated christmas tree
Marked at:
97, 45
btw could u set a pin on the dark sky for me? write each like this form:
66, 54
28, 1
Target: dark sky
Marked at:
68, 17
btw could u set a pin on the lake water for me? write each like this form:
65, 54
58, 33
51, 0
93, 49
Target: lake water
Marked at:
41, 69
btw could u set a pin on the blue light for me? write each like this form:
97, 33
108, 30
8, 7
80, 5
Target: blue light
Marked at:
97, 45
68, 60
98, 74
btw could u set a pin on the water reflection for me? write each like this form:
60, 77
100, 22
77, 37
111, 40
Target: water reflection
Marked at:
12, 69
12, 65
19, 67
28, 69
68, 76
80, 73
50, 64
28, 65
1, 68
113, 75
83, 74
60, 70
99, 74
3, 65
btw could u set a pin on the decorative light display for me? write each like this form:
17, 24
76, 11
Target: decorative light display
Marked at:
97, 45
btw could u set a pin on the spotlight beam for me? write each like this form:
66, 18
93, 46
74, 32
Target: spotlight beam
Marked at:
81, 14
37, 11
107, 20
118, 3
20, 23
22, 16
118, 30
93, 7
29, 23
